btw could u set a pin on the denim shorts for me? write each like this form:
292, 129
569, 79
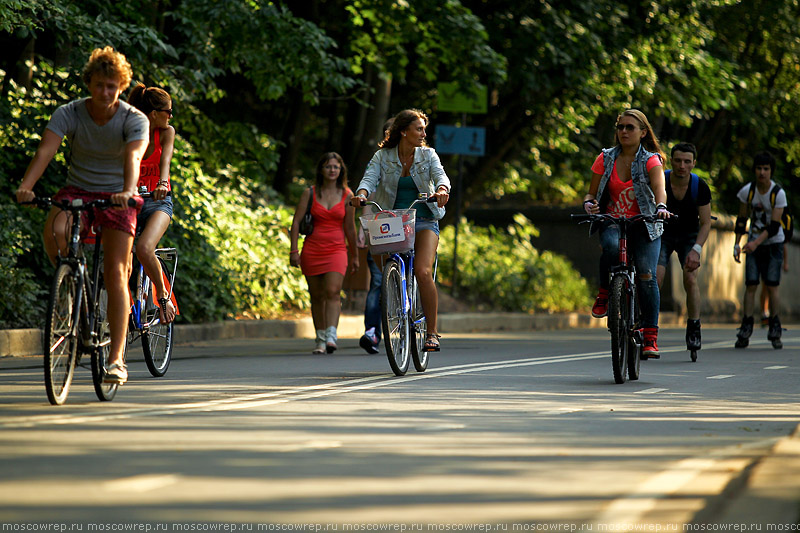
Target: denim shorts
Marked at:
422, 223
681, 245
151, 206
766, 262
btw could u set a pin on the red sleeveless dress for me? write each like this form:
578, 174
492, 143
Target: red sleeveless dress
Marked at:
325, 250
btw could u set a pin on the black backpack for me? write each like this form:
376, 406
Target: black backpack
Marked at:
787, 220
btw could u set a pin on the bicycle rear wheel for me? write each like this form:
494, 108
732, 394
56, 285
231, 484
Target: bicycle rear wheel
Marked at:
60, 336
419, 327
618, 325
157, 339
394, 318
105, 391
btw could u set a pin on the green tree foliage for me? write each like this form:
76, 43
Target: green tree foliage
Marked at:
500, 269
262, 87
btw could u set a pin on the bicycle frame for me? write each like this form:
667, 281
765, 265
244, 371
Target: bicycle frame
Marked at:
138, 304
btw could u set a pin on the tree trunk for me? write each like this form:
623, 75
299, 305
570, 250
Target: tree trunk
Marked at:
375, 118
293, 140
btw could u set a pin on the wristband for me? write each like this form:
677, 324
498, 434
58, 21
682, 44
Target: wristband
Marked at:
661, 206
588, 201
697, 248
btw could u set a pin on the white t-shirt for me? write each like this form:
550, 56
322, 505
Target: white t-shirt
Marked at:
761, 211
97, 153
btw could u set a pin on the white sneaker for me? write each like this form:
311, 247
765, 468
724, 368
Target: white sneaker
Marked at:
116, 373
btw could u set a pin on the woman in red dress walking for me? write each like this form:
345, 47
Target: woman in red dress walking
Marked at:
324, 260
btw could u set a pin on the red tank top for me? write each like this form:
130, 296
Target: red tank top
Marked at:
150, 170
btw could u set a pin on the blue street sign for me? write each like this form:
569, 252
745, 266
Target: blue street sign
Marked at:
465, 141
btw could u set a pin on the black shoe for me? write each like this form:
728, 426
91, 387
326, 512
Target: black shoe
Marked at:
744, 332
693, 335
370, 345
775, 331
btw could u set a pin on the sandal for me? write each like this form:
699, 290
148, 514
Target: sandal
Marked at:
167, 313
432, 342
319, 349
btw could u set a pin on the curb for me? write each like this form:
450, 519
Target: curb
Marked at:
28, 342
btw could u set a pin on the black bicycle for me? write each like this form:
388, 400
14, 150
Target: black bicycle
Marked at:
77, 318
623, 300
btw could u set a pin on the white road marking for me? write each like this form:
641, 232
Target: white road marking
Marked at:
776, 367
650, 391
721, 376
143, 483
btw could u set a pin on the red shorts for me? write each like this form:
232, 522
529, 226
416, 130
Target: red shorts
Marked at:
119, 219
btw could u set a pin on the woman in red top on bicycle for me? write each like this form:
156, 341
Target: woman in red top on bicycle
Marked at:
156, 214
628, 179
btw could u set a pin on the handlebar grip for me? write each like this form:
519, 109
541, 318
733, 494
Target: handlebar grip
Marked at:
131, 202
430, 199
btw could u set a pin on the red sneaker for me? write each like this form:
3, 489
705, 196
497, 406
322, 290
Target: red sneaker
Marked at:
600, 307
650, 348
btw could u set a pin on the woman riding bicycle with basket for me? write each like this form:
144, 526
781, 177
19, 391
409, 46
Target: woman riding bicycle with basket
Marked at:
628, 179
403, 168
107, 140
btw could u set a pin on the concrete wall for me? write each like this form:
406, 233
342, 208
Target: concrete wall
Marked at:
721, 278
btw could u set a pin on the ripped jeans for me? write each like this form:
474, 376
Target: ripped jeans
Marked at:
644, 254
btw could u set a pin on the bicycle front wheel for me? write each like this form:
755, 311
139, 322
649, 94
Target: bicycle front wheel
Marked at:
157, 339
394, 318
105, 391
618, 325
635, 337
419, 326
60, 336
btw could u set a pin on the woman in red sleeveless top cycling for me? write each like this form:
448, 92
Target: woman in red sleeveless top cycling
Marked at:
156, 213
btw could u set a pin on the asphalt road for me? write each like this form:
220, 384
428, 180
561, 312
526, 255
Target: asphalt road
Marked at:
526, 430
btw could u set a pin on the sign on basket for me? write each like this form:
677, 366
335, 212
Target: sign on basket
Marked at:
385, 230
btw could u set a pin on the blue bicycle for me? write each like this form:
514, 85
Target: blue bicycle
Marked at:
145, 318
392, 232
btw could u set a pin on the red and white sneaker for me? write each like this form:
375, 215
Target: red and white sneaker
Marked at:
600, 307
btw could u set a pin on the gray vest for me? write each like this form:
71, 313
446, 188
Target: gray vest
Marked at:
645, 197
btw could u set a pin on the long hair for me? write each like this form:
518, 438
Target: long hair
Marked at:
147, 99
401, 121
110, 64
341, 180
650, 141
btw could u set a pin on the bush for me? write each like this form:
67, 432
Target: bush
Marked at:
501, 270
24, 299
232, 245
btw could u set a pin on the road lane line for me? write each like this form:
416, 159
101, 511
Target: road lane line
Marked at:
650, 391
307, 392
776, 367
721, 376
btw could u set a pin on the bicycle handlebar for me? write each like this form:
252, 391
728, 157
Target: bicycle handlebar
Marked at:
81, 205
428, 199
584, 217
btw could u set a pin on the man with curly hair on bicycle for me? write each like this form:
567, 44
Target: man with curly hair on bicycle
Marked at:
107, 140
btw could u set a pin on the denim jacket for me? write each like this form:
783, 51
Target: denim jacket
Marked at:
383, 175
645, 197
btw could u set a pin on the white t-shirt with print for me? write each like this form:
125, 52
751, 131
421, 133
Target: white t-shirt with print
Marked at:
761, 211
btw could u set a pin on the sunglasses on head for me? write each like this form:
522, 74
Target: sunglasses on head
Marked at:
627, 127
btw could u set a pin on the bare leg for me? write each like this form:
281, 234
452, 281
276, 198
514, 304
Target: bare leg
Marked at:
425, 251
146, 253
117, 247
